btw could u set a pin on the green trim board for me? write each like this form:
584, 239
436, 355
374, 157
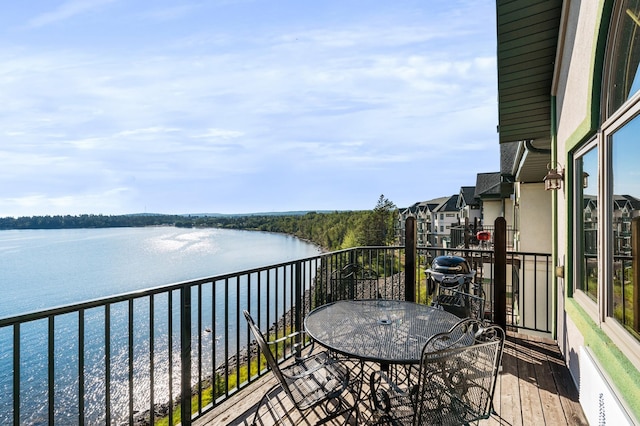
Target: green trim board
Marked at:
598, 56
554, 225
624, 375
587, 128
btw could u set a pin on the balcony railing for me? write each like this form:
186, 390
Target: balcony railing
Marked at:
177, 351
458, 239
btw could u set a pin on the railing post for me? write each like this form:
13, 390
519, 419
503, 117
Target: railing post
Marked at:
410, 259
500, 274
16, 374
185, 355
298, 301
467, 233
351, 280
635, 253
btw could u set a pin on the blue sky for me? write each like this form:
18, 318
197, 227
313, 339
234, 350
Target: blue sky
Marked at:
237, 106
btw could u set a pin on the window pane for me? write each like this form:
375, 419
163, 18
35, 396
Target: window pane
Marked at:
587, 174
623, 74
626, 205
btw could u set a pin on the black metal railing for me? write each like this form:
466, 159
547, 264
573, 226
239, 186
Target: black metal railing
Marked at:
177, 351
468, 235
528, 287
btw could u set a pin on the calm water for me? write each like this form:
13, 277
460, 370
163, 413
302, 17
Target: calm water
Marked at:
46, 268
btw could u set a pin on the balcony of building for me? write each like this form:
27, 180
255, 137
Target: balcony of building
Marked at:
183, 354
533, 388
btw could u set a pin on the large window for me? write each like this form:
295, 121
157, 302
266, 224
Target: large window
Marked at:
625, 154
607, 185
624, 55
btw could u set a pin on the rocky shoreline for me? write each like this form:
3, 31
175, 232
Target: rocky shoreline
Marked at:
162, 409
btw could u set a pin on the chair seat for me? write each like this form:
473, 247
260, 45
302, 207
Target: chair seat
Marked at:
396, 406
455, 383
316, 378
312, 380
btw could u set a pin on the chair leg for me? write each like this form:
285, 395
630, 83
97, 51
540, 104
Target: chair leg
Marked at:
271, 408
333, 414
344, 407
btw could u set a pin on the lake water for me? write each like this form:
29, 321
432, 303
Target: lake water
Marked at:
41, 269
46, 268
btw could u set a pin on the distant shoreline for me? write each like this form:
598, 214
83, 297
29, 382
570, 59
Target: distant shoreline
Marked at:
329, 231
128, 220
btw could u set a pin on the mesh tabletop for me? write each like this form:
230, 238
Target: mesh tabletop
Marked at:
386, 331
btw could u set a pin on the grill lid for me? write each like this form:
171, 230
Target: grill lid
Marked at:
450, 265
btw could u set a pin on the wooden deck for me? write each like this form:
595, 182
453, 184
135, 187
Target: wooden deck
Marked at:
534, 388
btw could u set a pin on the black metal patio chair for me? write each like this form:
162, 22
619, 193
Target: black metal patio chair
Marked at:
315, 380
456, 380
461, 303
353, 281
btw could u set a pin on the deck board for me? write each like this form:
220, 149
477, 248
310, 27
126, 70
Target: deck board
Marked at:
529, 387
508, 407
534, 387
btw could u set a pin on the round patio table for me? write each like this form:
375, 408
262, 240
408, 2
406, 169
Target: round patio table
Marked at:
384, 331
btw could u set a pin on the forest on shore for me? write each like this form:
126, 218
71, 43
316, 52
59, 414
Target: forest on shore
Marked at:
330, 230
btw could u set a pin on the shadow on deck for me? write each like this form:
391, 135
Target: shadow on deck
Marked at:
534, 387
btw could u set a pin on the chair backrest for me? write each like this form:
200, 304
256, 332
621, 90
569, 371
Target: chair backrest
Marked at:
458, 374
266, 351
461, 303
353, 281
477, 304
459, 335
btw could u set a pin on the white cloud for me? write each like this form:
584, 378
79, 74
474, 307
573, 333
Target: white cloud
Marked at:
220, 134
170, 13
110, 201
148, 131
197, 100
67, 10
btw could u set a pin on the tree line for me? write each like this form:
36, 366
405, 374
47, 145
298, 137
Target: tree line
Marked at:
332, 231
87, 221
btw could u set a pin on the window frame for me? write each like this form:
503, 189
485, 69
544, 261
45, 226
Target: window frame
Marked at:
611, 121
629, 111
608, 111
602, 311
590, 305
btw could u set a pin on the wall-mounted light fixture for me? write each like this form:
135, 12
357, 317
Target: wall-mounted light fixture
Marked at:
553, 179
585, 179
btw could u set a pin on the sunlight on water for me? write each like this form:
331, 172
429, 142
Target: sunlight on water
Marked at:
193, 242
49, 268
34, 361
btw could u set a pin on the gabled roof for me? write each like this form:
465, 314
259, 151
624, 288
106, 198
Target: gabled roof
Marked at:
467, 197
449, 205
416, 208
619, 201
508, 156
423, 206
434, 203
488, 185
590, 201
